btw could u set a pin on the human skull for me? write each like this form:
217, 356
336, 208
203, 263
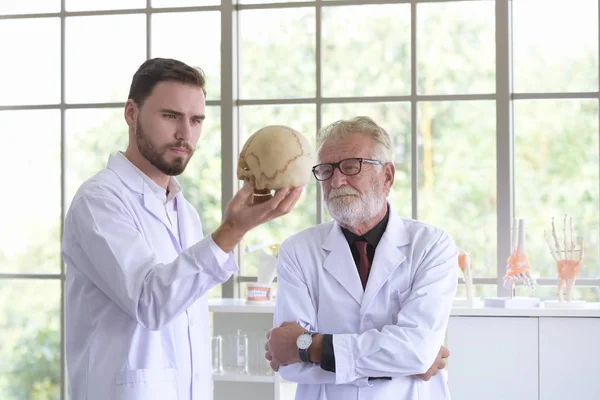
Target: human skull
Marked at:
275, 157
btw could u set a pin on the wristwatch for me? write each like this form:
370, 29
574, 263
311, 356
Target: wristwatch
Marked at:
303, 342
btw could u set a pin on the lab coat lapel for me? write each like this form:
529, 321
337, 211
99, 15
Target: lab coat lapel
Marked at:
387, 258
187, 234
127, 173
340, 264
155, 207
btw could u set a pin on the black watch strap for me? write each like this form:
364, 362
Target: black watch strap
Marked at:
303, 353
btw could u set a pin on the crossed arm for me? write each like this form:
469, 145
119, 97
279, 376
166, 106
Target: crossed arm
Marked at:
416, 336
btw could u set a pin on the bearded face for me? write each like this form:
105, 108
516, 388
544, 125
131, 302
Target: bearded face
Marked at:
347, 206
170, 159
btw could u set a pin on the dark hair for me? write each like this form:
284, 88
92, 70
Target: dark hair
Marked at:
156, 70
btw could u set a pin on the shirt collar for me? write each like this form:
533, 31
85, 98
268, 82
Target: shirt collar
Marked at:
373, 236
173, 187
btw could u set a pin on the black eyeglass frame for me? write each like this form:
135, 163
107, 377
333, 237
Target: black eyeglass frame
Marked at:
337, 165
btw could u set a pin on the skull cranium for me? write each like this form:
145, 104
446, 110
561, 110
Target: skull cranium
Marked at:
275, 157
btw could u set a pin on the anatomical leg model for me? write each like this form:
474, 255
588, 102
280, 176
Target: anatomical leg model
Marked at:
466, 266
568, 258
517, 268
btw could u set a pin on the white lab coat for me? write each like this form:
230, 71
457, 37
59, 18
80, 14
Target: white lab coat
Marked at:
137, 325
394, 328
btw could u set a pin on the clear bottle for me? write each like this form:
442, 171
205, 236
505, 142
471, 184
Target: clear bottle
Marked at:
217, 354
242, 352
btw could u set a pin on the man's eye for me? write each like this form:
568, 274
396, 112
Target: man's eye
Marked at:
171, 116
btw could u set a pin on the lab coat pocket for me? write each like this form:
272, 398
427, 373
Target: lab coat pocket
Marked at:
399, 297
402, 295
147, 384
397, 300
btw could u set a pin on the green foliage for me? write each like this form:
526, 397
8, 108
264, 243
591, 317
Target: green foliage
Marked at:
36, 369
30, 336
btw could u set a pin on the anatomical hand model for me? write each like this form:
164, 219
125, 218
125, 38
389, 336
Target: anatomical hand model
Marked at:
568, 258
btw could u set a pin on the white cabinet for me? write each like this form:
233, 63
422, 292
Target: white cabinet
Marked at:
493, 358
229, 315
569, 358
495, 354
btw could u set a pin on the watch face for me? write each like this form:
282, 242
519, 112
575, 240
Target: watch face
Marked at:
304, 341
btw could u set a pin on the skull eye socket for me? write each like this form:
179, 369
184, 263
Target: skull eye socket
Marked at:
243, 164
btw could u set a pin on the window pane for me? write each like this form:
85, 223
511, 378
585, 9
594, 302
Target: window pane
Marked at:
457, 176
184, 3
102, 54
456, 47
199, 27
395, 119
29, 7
303, 119
201, 180
555, 45
369, 56
556, 173
481, 291
587, 293
277, 53
90, 136
30, 337
30, 228
93, 5
41, 38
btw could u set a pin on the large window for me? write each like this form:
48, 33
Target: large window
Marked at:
493, 108
556, 149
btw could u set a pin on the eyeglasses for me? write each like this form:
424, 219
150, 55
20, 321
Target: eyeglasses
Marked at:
349, 166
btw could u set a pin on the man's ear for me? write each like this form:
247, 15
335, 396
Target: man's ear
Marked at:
389, 171
131, 112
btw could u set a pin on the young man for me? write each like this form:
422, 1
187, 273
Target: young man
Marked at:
138, 268
363, 301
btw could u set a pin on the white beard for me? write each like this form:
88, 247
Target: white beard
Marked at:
348, 208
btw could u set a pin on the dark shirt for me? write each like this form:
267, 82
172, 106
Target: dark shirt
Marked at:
372, 237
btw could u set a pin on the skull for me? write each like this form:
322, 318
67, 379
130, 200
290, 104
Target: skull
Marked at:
275, 157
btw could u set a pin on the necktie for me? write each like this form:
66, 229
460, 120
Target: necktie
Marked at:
363, 261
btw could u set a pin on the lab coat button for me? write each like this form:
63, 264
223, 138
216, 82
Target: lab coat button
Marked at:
197, 376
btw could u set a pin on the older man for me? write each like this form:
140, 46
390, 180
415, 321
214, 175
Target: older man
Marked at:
363, 301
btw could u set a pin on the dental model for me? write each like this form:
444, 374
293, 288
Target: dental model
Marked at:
466, 266
517, 265
568, 259
275, 157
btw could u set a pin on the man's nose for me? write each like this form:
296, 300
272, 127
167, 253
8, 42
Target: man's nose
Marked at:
184, 131
338, 179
